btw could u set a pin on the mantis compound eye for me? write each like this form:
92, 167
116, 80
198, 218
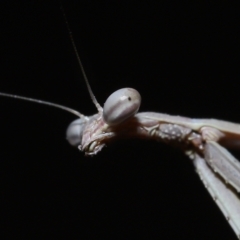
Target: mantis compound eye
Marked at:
75, 131
121, 105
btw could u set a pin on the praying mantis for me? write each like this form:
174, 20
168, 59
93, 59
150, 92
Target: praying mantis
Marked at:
200, 152
203, 140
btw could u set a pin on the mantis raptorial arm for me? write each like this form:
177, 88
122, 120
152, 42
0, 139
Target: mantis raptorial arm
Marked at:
223, 195
223, 163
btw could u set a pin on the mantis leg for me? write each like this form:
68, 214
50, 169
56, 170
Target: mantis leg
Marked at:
227, 200
223, 163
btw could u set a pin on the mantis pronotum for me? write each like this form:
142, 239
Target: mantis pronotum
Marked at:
144, 100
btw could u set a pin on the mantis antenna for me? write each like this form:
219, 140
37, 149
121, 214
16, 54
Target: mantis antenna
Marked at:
99, 108
44, 103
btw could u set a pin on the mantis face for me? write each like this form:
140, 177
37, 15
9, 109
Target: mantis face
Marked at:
89, 133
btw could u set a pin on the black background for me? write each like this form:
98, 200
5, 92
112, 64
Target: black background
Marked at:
182, 57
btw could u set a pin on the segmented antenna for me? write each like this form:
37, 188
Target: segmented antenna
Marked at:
44, 103
98, 106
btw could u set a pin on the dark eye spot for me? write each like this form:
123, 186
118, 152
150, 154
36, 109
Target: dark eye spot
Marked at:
129, 99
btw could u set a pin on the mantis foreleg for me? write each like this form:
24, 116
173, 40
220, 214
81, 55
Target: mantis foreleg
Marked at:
224, 196
223, 163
